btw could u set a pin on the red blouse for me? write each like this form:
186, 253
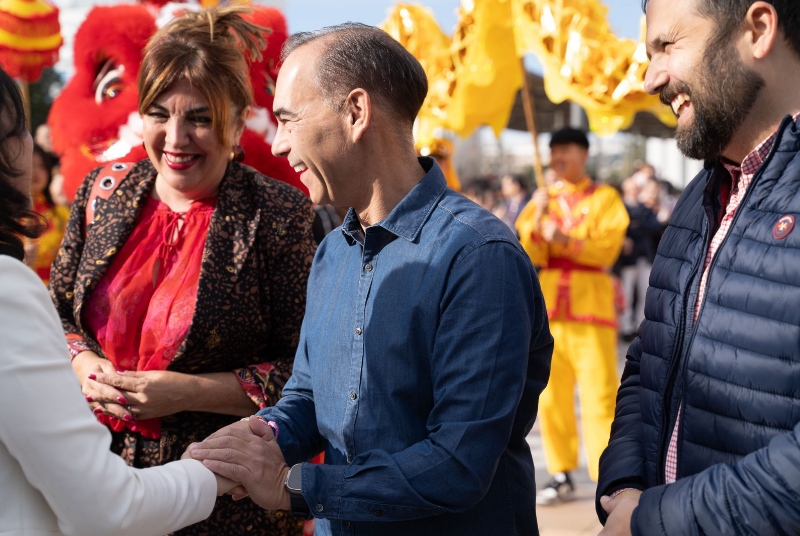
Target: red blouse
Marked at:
143, 306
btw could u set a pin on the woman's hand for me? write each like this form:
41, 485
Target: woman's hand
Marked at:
224, 485
102, 398
151, 393
157, 393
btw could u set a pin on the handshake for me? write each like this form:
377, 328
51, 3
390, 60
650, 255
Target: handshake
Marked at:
247, 461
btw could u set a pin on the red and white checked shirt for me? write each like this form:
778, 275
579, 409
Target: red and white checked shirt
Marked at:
740, 179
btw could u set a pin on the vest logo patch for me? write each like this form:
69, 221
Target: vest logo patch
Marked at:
783, 227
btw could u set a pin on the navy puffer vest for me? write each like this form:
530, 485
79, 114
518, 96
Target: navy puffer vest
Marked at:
735, 372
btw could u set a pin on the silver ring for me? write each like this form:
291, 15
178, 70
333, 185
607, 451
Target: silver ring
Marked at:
129, 410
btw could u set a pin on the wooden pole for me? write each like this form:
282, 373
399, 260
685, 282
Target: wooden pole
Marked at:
26, 100
530, 121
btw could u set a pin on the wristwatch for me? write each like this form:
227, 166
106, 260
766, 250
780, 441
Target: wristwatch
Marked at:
293, 484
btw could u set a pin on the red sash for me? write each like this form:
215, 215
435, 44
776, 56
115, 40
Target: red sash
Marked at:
560, 263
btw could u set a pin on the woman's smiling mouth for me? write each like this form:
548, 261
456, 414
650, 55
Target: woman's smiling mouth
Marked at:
180, 161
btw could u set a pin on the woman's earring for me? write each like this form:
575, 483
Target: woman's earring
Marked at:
237, 154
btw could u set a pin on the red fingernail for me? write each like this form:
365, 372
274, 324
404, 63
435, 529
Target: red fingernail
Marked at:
134, 428
120, 371
89, 399
92, 377
98, 411
128, 418
121, 400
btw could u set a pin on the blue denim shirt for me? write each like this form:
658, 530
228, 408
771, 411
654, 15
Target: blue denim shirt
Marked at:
422, 355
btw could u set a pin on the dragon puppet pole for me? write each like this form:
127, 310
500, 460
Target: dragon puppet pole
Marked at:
530, 121
26, 100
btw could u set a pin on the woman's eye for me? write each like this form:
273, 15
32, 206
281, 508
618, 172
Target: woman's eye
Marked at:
201, 119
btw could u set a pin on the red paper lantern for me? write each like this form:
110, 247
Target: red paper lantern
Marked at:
30, 37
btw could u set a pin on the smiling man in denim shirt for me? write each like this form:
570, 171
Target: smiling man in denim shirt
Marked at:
425, 344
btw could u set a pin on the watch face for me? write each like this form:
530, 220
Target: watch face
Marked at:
295, 479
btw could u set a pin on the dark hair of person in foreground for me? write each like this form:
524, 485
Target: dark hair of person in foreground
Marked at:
16, 215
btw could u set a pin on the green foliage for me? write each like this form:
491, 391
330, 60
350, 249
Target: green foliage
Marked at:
42, 94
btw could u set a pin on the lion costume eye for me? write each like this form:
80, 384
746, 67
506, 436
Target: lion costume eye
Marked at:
269, 86
108, 82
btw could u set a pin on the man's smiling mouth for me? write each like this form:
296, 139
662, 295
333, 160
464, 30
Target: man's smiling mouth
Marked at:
680, 103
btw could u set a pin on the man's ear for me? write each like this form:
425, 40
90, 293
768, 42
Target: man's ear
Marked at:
357, 112
760, 28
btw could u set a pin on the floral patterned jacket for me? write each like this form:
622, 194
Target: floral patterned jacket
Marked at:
250, 298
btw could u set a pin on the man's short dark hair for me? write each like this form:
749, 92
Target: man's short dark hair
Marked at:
729, 15
565, 136
359, 56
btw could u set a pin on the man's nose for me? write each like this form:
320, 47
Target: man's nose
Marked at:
655, 78
280, 144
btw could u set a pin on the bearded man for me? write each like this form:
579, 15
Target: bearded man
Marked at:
706, 438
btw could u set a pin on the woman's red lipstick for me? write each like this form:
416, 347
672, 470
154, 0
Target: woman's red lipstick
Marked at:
180, 166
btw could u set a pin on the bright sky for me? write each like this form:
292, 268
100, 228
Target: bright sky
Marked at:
304, 15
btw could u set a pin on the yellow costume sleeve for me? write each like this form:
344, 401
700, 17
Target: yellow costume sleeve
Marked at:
536, 248
601, 244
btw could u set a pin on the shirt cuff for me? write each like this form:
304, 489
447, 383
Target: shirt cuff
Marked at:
255, 380
322, 489
76, 344
618, 492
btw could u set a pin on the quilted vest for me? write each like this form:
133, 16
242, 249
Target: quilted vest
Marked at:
736, 371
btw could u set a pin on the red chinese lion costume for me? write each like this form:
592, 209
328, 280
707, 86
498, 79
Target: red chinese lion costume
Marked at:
95, 119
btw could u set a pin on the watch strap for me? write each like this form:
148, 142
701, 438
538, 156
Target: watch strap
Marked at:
299, 506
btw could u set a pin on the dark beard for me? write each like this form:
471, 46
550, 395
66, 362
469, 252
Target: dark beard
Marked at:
725, 92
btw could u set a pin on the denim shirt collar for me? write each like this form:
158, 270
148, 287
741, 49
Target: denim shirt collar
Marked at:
408, 217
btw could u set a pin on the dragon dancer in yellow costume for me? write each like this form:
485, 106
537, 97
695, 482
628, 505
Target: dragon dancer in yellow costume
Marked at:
574, 231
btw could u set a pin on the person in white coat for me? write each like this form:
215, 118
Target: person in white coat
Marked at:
79, 487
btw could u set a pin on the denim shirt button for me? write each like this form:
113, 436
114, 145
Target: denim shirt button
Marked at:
346, 524
353, 396
358, 331
349, 459
368, 267
377, 513
319, 507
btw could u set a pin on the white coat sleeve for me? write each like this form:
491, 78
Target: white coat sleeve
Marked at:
63, 451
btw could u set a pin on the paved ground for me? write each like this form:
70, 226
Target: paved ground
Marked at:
575, 518
578, 517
